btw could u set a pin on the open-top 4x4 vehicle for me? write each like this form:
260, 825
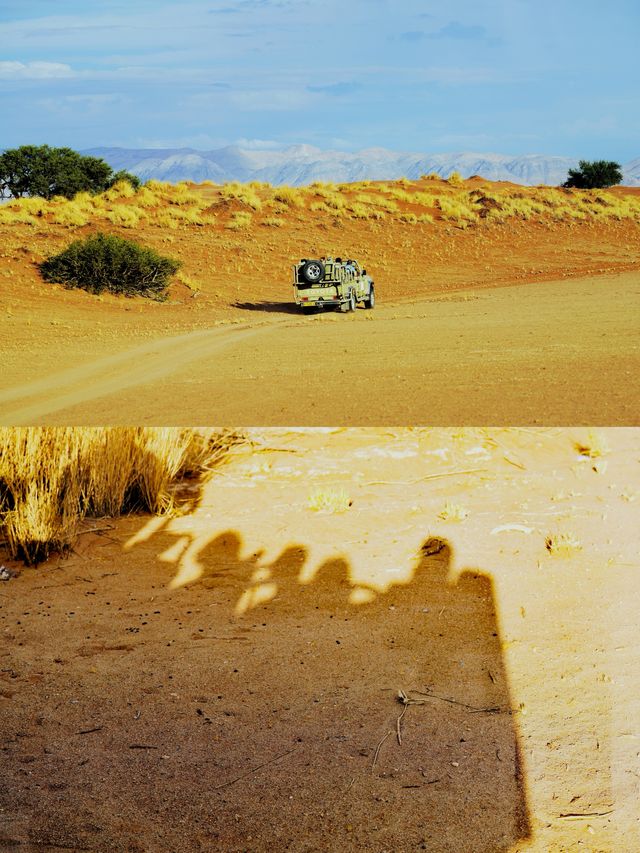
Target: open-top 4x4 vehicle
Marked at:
332, 282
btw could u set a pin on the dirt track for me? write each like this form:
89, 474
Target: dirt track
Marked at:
558, 352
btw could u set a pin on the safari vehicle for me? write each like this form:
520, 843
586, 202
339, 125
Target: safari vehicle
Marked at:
331, 282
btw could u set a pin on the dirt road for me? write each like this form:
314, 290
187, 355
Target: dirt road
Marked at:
229, 679
560, 352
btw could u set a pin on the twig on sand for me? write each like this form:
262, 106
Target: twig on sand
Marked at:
96, 529
428, 477
579, 815
379, 747
473, 709
350, 786
399, 720
514, 462
89, 731
142, 746
255, 769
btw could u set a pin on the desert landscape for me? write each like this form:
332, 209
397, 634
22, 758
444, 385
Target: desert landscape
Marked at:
496, 304
345, 639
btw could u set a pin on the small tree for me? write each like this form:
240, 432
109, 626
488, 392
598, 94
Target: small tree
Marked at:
38, 170
594, 175
134, 180
107, 262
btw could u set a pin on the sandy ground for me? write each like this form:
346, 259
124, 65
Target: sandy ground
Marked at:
229, 679
559, 352
523, 322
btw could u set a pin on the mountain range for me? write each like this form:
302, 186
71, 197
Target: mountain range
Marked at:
302, 164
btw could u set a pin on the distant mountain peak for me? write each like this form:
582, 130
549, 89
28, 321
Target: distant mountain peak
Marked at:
300, 164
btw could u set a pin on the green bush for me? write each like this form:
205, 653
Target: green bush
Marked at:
106, 262
38, 170
134, 180
594, 175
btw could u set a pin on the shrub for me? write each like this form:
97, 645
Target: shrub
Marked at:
594, 175
126, 177
106, 262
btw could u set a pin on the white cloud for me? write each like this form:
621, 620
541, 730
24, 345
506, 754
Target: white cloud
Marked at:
34, 70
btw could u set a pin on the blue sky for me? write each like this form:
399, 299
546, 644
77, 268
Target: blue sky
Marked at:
508, 76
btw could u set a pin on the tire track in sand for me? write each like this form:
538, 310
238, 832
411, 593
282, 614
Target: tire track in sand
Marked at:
149, 362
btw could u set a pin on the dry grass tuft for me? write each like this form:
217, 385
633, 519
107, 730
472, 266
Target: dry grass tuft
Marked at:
127, 216
562, 544
244, 193
329, 500
53, 477
240, 220
452, 511
290, 196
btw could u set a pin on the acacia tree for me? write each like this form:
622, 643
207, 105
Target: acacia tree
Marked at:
594, 175
38, 170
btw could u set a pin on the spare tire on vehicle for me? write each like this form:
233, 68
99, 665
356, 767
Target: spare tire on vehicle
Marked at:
312, 272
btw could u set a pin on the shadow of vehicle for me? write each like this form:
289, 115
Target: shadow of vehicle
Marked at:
269, 307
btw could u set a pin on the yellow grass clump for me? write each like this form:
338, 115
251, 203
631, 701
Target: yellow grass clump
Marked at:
53, 477
562, 544
244, 193
145, 197
386, 204
189, 215
122, 189
457, 210
241, 219
290, 196
12, 215
127, 216
319, 207
36, 206
273, 222
72, 214
335, 201
329, 500
358, 211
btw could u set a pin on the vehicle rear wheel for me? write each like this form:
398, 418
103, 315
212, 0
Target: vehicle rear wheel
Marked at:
312, 271
370, 301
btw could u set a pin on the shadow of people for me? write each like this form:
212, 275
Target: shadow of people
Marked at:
448, 774
393, 717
